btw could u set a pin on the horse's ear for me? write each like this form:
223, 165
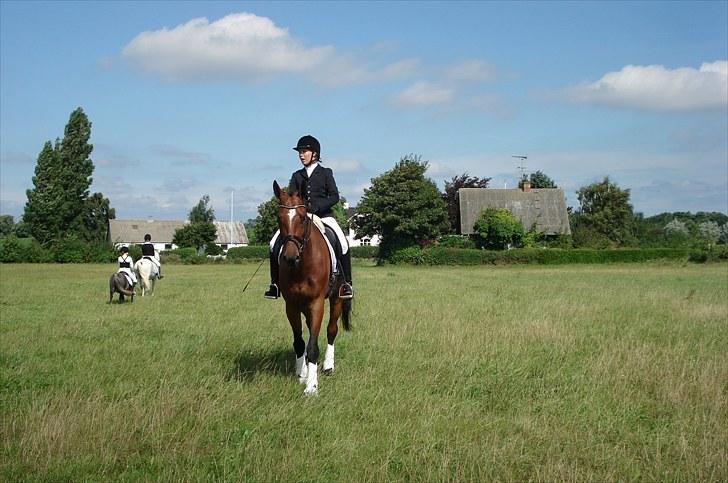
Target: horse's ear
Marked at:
276, 189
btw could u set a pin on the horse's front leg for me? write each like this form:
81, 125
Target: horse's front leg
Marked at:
314, 315
299, 346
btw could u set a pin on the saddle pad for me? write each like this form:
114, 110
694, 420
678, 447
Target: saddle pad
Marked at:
322, 228
128, 278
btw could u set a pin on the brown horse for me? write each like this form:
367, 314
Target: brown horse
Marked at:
305, 282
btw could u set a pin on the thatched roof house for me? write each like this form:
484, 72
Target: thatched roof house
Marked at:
544, 208
129, 232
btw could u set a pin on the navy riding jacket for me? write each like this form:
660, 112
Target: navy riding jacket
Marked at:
321, 191
148, 249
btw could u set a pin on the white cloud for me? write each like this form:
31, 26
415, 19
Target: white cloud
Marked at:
423, 94
470, 71
654, 87
240, 46
343, 165
244, 47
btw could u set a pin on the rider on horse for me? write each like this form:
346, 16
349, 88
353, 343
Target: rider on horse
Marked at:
151, 254
320, 196
125, 265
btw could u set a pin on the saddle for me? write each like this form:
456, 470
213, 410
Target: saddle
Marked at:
335, 250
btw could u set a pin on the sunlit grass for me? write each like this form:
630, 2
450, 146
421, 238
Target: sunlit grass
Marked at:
573, 373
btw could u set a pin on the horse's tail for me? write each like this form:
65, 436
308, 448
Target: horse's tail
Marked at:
346, 314
116, 283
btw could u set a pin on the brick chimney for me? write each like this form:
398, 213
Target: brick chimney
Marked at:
525, 185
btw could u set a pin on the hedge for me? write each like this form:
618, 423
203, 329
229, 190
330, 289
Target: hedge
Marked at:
28, 250
455, 256
256, 252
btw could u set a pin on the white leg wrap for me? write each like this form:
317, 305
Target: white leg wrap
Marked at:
312, 381
329, 358
301, 369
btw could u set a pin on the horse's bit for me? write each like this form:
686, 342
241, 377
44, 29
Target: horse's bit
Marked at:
297, 240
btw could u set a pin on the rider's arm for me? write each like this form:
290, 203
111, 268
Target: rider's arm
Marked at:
331, 192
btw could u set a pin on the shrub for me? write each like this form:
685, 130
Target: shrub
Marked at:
11, 250
367, 251
698, 256
410, 255
455, 241
213, 249
497, 228
255, 252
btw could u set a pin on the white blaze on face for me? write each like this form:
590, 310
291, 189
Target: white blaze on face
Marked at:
291, 214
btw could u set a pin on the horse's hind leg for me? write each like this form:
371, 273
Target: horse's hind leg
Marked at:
299, 346
331, 331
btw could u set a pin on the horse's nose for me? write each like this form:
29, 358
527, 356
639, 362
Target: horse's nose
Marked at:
290, 258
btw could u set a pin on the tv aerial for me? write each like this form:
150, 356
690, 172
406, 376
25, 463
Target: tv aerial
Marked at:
522, 166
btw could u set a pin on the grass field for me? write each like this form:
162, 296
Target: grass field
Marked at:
574, 373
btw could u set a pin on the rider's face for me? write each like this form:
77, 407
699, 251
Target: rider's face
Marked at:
306, 156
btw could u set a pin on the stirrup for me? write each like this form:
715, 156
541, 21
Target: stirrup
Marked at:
272, 292
346, 291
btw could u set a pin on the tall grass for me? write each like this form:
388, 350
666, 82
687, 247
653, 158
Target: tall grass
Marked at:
572, 373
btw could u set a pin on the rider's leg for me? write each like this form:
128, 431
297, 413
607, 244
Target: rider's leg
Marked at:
273, 291
346, 290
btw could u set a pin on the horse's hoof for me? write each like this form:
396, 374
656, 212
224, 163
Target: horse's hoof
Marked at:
311, 391
328, 372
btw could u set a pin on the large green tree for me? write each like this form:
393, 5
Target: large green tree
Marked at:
266, 223
452, 200
41, 215
403, 207
539, 179
58, 205
98, 212
7, 225
604, 217
200, 231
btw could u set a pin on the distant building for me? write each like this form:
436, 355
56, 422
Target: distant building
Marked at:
542, 208
350, 233
131, 232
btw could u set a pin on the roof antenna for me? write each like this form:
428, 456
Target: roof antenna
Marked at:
522, 167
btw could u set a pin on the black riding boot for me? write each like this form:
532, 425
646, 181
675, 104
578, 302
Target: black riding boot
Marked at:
346, 291
273, 292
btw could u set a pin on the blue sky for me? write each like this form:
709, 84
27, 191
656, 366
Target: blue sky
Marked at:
194, 98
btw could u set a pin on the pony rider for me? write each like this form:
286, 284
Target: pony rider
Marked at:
125, 266
320, 197
151, 254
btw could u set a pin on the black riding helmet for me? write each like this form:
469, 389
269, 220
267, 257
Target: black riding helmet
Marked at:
309, 142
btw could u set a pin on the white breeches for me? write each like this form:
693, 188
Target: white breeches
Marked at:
329, 221
129, 273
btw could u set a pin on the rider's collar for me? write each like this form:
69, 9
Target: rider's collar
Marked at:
311, 167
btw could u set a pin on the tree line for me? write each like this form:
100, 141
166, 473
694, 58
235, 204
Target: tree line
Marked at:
402, 206
60, 210
406, 209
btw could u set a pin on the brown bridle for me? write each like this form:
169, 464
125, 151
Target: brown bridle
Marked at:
299, 242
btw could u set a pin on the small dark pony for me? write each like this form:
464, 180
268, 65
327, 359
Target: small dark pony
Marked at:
306, 282
119, 283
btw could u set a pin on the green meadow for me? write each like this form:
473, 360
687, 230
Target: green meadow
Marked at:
583, 373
